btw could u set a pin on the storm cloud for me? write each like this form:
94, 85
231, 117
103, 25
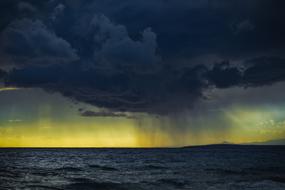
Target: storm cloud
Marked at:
160, 91
137, 56
27, 41
89, 113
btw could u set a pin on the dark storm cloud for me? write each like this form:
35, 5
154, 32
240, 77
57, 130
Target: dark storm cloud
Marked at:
2, 74
124, 90
244, 26
89, 113
26, 7
16, 9
224, 76
255, 72
191, 28
114, 46
28, 41
160, 92
184, 28
264, 71
126, 55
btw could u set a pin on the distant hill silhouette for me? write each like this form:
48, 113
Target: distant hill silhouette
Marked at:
214, 146
232, 145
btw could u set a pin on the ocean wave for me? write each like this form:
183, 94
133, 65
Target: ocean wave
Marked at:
68, 169
102, 186
9, 173
278, 179
173, 182
102, 167
137, 169
153, 167
41, 187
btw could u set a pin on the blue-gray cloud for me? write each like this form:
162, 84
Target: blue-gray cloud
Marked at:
158, 91
27, 41
126, 55
114, 46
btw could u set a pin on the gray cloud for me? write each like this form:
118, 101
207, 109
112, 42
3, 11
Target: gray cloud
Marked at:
264, 71
114, 46
28, 41
162, 91
223, 75
26, 7
58, 10
126, 55
89, 113
2, 74
243, 26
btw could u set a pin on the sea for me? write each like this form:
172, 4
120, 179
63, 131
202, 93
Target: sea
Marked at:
217, 167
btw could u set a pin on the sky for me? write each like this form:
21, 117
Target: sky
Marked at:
136, 73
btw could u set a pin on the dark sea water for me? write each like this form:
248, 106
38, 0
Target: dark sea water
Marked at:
212, 168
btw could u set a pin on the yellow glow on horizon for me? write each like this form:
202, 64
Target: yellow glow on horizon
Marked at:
246, 125
121, 135
46, 135
256, 125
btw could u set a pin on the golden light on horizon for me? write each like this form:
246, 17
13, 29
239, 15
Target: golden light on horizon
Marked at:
122, 132
56, 124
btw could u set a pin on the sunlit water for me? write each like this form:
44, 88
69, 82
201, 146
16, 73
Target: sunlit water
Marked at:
216, 167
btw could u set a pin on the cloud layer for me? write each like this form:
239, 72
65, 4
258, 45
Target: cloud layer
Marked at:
27, 41
137, 56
